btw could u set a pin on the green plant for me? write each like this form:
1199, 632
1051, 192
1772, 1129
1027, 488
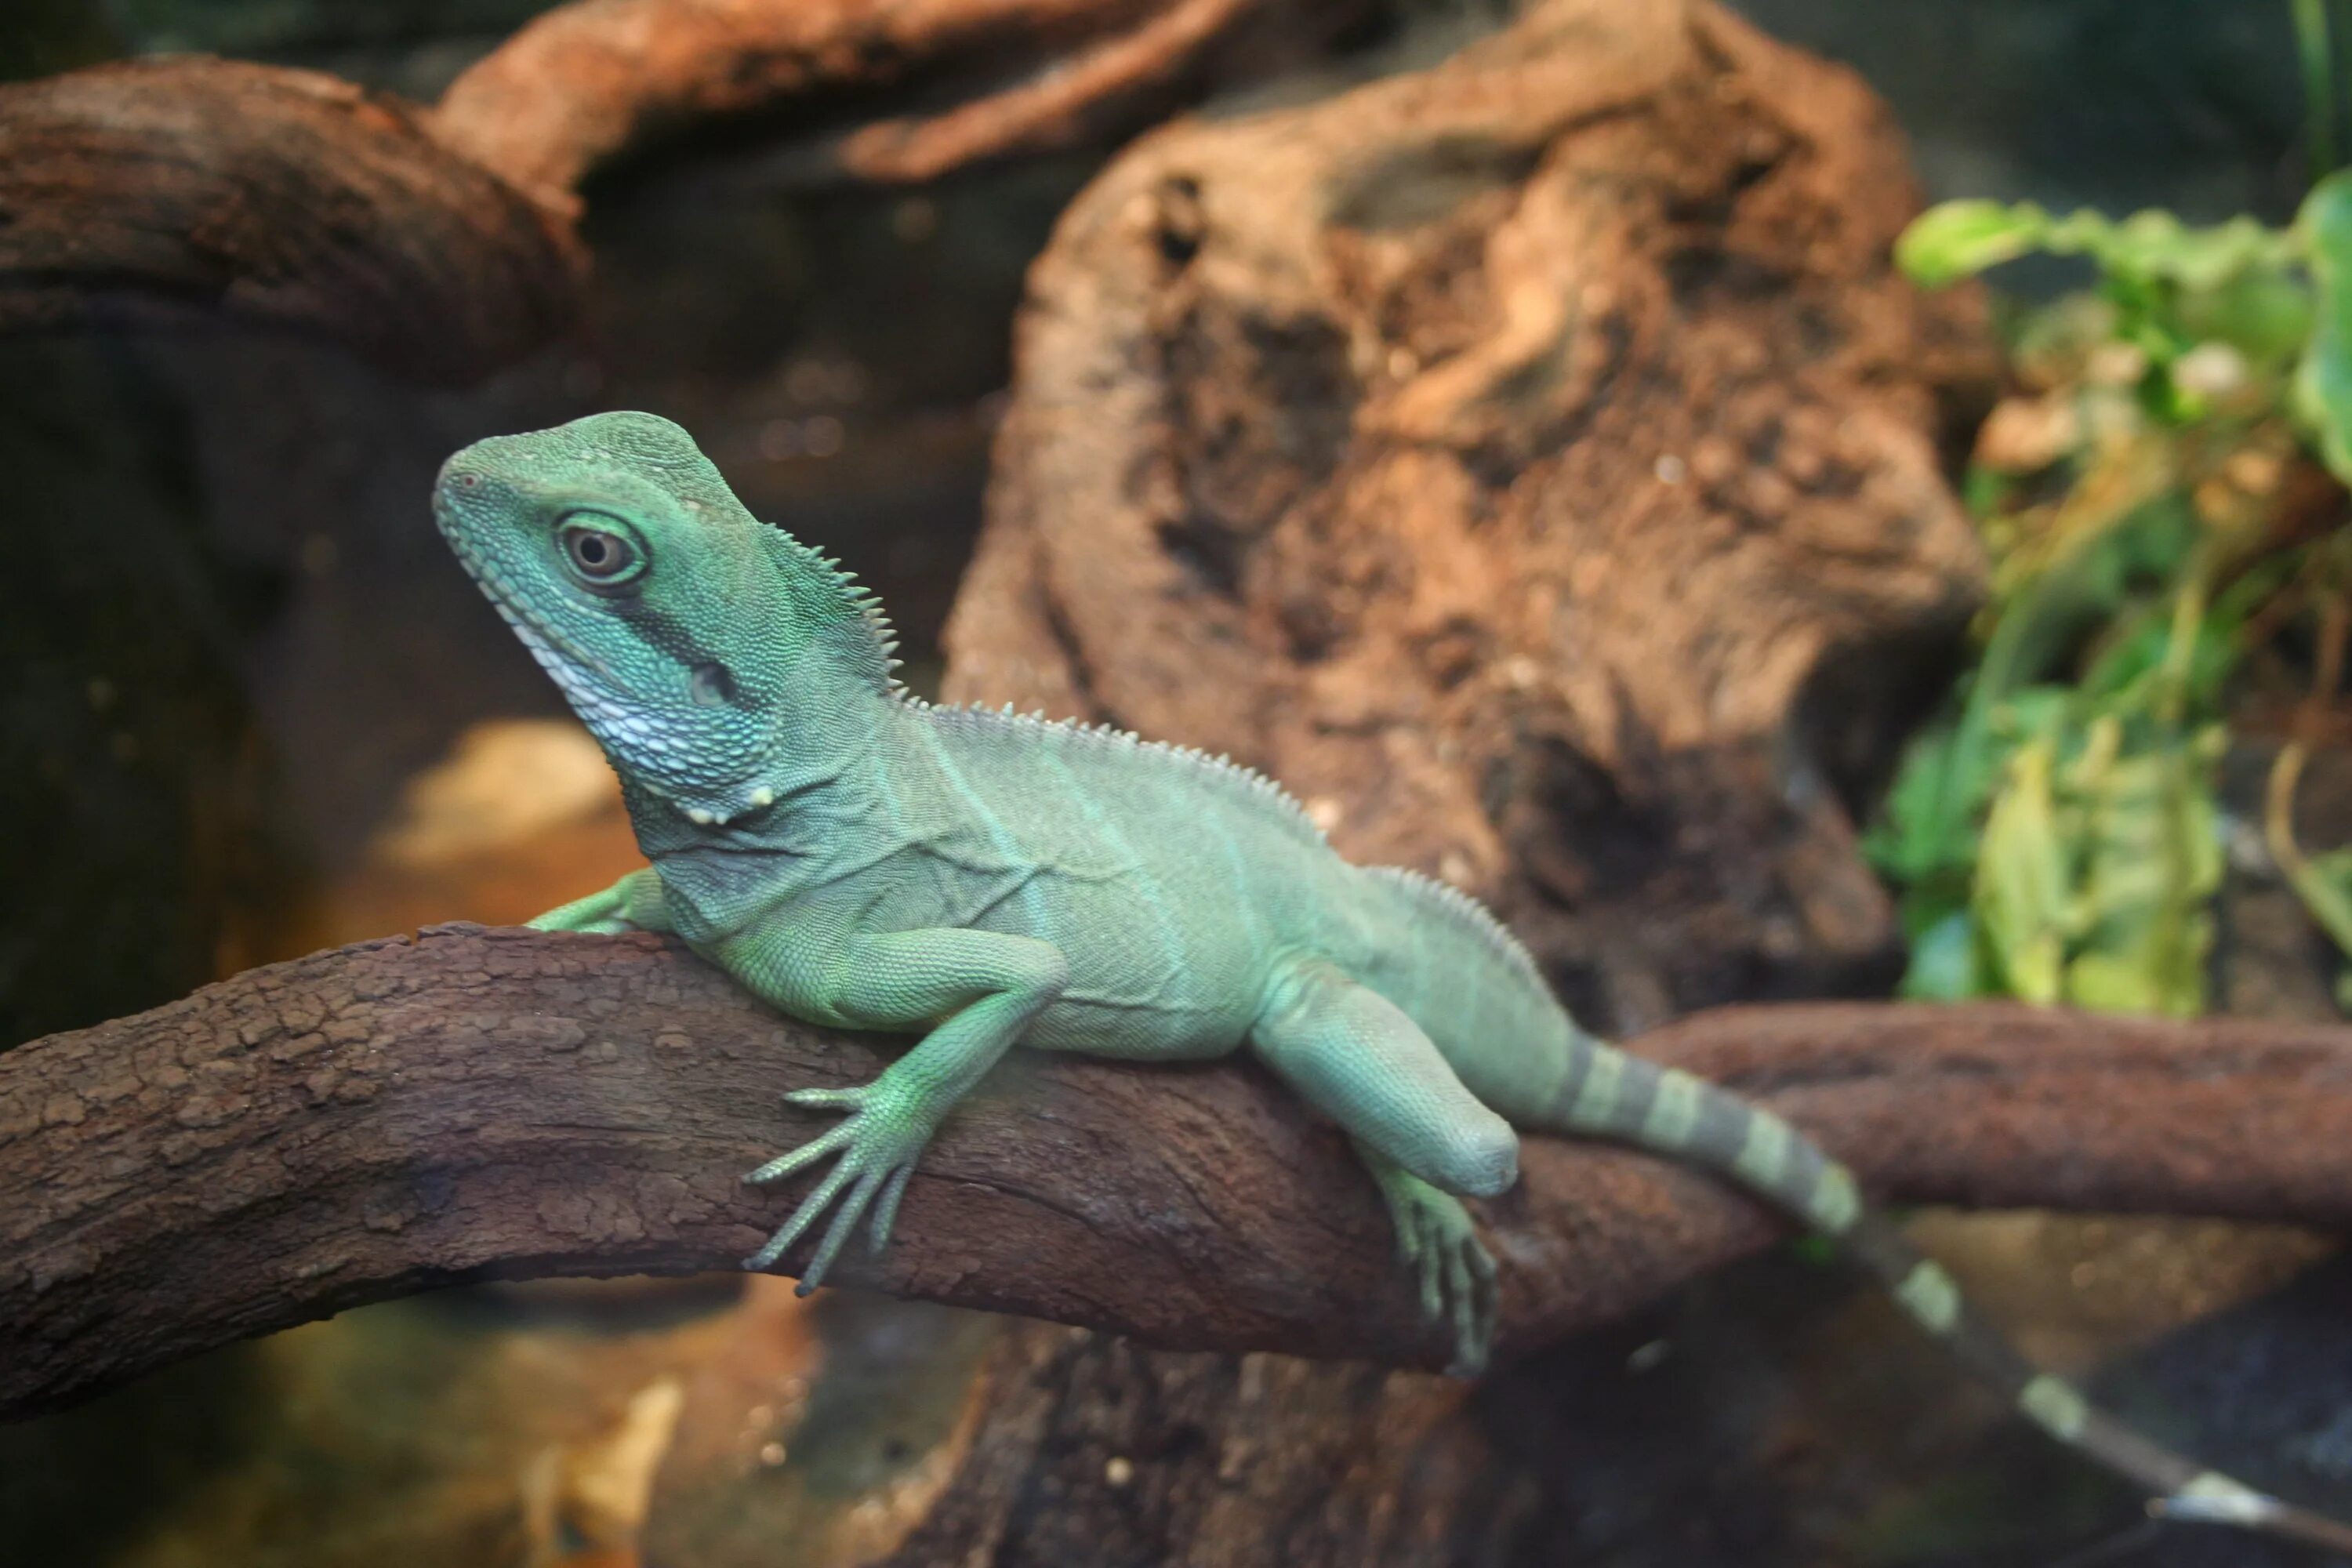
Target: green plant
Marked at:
2152, 520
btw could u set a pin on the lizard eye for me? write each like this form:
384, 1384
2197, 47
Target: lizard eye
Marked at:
599, 551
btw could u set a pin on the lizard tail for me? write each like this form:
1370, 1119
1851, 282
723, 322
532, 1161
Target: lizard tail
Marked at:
1609, 1094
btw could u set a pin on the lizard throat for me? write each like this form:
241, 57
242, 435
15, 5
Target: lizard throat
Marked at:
666, 754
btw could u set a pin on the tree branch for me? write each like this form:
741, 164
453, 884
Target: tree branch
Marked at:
586, 81
440, 242
1049, 108
285, 197
402, 1114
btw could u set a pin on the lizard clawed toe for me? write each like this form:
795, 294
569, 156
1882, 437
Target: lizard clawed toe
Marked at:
1438, 1241
1471, 1277
880, 1143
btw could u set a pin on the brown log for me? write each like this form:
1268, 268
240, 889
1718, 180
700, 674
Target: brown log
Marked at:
170, 188
439, 242
1534, 463
1052, 107
401, 1114
586, 81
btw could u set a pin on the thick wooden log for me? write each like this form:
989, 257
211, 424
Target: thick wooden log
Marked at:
191, 189
976, 79
440, 242
1533, 462
397, 1115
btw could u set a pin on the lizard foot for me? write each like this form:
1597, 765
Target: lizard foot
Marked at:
1437, 1240
885, 1135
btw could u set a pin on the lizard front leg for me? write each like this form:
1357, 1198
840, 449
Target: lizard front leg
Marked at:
633, 903
982, 988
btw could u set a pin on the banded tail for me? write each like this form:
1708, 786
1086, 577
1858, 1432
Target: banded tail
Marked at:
1610, 1094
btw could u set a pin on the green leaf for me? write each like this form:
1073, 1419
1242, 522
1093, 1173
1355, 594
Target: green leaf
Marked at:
2024, 880
2155, 245
2323, 882
2323, 383
2266, 313
1928, 826
2103, 982
1953, 240
2138, 649
2151, 861
1958, 239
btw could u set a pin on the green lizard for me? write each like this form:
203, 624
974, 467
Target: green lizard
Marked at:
859, 857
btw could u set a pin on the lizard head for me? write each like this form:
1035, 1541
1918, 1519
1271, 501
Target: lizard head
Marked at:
706, 650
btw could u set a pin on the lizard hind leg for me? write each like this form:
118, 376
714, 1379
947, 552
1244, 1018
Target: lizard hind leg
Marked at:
1439, 1243
1356, 1056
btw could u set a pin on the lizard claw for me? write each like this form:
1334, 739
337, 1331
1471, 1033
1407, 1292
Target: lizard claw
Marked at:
1436, 1239
879, 1144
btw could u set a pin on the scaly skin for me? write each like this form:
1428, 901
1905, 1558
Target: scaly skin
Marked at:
857, 858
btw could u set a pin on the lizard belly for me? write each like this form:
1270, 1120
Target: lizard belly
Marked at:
1142, 984
1150, 977
1138, 987
1099, 1028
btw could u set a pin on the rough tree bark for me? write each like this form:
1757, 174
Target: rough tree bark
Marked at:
441, 243
586, 81
288, 198
380, 1119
